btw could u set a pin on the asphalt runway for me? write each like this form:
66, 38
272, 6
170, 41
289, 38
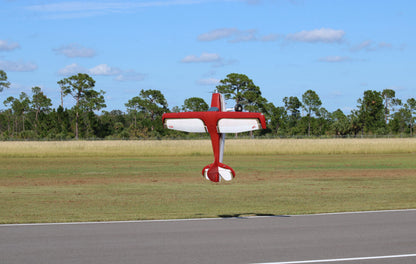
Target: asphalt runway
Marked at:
367, 237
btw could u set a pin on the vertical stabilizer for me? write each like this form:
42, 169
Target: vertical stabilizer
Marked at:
218, 101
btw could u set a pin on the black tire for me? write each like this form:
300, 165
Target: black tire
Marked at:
238, 108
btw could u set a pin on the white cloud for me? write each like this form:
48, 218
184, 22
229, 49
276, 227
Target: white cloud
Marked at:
396, 88
104, 69
335, 59
19, 66
205, 57
75, 6
79, 9
208, 81
130, 76
223, 63
271, 37
326, 35
246, 35
365, 45
369, 45
382, 45
82, 6
8, 46
218, 34
233, 34
72, 69
74, 51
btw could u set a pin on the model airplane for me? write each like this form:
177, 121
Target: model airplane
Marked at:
216, 121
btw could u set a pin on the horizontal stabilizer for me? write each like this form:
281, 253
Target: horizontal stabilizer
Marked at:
217, 173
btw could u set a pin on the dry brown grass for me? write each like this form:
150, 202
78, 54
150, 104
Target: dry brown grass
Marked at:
322, 146
153, 148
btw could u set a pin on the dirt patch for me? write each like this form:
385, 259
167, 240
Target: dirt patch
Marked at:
326, 174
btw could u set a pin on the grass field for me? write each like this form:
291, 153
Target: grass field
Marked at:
130, 180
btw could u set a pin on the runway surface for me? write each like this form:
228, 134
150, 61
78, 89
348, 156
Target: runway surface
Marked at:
367, 237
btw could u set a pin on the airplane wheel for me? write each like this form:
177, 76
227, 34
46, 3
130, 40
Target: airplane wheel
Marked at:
238, 108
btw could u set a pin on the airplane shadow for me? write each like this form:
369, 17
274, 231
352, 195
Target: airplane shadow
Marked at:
247, 215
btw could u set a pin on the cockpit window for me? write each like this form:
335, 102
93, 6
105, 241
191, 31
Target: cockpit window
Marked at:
213, 109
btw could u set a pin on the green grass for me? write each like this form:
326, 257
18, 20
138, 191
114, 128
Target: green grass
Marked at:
115, 187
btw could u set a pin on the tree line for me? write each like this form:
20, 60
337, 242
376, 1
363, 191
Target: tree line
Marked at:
32, 116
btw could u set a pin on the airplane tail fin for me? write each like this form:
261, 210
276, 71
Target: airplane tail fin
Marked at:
217, 172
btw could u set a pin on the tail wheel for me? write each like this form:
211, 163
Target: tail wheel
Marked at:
238, 108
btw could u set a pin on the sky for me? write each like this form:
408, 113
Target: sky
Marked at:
337, 48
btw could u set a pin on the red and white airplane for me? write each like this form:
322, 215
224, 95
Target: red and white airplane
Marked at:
216, 121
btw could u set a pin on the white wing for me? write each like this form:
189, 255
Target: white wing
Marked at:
194, 125
236, 125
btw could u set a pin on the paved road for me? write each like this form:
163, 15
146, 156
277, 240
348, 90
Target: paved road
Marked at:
235, 240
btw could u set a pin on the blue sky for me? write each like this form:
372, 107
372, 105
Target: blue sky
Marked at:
183, 48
